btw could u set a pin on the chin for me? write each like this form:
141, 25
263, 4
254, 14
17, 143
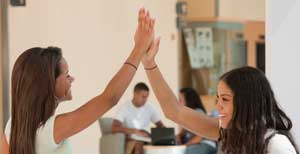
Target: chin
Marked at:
70, 97
223, 125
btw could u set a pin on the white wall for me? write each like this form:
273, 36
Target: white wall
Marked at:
242, 9
96, 36
283, 56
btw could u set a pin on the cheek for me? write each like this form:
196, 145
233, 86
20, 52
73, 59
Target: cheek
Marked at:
61, 88
230, 109
228, 113
58, 89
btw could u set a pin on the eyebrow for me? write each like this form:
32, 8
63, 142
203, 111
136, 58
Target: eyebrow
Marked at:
224, 95
66, 72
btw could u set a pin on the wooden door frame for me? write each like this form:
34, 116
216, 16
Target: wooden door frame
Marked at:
4, 65
252, 33
1, 80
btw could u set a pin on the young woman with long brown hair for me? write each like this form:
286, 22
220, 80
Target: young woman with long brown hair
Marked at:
251, 121
41, 80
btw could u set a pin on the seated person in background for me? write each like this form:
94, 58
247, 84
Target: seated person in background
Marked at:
195, 144
134, 117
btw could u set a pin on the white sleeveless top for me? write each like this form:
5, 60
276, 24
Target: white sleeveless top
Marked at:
279, 144
45, 143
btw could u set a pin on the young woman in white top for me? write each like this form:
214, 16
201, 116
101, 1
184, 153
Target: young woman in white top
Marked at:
41, 80
251, 121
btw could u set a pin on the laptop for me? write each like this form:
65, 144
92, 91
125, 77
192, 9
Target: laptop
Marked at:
163, 136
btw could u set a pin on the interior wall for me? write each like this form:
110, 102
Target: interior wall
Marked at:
200, 8
242, 9
96, 37
282, 56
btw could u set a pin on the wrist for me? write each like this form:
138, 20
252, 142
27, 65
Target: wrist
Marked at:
149, 64
134, 58
139, 49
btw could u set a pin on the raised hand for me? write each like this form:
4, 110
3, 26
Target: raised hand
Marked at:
149, 57
144, 34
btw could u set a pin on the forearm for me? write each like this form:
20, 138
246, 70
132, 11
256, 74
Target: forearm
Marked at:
124, 130
198, 123
163, 93
119, 83
96, 107
71, 123
194, 140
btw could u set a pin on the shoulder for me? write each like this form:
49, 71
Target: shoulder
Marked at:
45, 135
148, 106
7, 129
279, 144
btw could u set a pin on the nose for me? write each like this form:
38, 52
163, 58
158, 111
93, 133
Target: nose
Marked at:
72, 79
218, 105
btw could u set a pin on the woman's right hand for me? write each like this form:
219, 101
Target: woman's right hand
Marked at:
144, 34
149, 57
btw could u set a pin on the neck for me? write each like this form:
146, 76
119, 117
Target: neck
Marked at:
133, 102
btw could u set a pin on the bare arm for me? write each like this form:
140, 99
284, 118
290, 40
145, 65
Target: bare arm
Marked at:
194, 140
118, 128
196, 122
5, 146
71, 123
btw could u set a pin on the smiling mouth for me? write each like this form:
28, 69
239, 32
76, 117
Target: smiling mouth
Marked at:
221, 115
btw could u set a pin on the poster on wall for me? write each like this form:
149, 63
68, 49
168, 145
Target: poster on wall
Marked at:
199, 43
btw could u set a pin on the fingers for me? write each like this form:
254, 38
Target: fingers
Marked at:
156, 45
141, 14
144, 35
154, 48
145, 21
152, 24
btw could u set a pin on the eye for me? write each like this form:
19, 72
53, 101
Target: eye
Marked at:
225, 99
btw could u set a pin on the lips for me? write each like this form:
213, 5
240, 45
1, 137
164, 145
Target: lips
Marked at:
221, 115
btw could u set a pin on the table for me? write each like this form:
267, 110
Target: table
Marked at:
175, 149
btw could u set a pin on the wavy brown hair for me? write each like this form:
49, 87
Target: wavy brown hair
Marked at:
255, 112
33, 97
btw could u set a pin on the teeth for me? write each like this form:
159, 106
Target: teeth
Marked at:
221, 115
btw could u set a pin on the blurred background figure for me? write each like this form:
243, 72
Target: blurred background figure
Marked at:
195, 144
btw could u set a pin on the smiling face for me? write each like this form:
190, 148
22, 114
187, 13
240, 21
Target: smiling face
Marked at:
224, 104
63, 82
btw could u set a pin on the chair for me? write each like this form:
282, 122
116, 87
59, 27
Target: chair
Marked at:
110, 143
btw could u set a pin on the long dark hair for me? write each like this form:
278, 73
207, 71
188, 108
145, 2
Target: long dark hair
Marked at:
192, 99
255, 112
33, 96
